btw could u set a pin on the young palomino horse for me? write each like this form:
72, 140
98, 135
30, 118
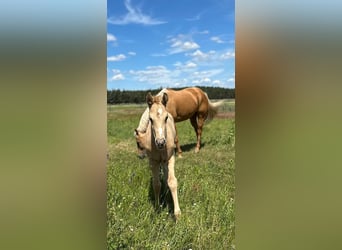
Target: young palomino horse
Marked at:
159, 143
188, 103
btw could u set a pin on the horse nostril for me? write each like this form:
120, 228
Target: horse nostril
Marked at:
161, 142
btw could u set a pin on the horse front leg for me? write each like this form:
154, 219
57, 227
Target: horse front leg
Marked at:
179, 150
172, 183
156, 182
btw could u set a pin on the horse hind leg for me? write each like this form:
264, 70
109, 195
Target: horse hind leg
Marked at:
179, 150
197, 123
200, 122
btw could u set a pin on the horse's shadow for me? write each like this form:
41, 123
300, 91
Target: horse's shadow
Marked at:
190, 147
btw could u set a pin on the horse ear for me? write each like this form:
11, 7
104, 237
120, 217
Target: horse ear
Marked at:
149, 99
165, 99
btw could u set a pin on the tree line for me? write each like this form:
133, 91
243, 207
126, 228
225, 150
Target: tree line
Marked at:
117, 96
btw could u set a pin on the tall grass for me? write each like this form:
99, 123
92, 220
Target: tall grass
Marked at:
205, 188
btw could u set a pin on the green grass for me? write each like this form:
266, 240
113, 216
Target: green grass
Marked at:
205, 188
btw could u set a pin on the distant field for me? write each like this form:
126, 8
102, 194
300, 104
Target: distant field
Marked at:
206, 185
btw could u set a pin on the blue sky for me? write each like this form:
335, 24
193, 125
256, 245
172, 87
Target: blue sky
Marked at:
163, 43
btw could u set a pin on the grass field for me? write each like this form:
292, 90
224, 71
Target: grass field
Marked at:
205, 186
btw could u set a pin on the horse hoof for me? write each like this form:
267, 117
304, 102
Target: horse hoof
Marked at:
196, 150
177, 215
180, 156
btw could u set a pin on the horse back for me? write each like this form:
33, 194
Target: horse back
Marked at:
185, 103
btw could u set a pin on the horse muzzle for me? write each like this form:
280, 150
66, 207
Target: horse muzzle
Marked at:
160, 143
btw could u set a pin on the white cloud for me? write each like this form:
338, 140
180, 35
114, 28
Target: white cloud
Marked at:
117, 77
191, 65
188, 65
216, 39
211, 56
190, 45
199, 56
206, 80
181, 44
206, 73
115, 71
178, 83
227, 55
202, 81
134, 15
111, 38
116, 58
131, 53
218, 83
179, 47
198, 53
152, 74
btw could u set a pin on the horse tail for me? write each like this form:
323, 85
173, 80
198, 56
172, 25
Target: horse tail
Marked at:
213, 108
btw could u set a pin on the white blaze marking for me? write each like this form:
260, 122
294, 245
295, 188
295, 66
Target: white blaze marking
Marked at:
160, 130
160, 111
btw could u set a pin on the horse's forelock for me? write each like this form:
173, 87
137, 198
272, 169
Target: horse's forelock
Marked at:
157, 99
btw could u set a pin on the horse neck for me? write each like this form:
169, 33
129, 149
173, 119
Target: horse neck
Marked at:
145, 139
171, 132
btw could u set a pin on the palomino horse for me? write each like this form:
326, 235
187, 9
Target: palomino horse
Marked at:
193, 104
188, 103
159, 143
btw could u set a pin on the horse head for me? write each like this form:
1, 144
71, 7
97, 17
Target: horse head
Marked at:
158, 118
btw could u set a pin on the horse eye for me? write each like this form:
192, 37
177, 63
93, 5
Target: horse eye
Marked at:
166, 118
151, 120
